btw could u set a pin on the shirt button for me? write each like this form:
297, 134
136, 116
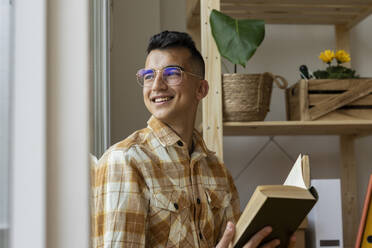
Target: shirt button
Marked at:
179, 143
198, 200
200, 235
175, 205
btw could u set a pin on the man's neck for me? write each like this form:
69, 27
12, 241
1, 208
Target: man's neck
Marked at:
185, 131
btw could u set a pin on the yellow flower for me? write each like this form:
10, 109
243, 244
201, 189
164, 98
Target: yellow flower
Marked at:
327, 56
342, 56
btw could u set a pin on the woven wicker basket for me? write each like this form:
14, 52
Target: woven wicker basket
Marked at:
246, 97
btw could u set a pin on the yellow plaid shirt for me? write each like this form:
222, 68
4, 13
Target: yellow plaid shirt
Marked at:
149, 192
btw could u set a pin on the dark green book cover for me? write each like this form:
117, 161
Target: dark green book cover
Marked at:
284, 215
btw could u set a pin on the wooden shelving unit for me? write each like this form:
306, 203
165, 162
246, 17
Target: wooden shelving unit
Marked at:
343, 14
271, 128
330, 12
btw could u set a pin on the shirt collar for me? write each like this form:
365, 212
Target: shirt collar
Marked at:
167, 137
199, 143
162, 132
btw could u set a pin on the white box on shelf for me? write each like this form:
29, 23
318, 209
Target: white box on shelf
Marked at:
325, 219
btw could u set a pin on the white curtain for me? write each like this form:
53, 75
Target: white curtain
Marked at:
101, 95
5, 36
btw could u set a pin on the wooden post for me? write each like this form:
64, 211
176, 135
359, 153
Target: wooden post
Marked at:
343, 40
349, 190
304, 100
212, 104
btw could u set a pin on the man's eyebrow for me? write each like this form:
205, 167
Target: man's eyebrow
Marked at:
174, 66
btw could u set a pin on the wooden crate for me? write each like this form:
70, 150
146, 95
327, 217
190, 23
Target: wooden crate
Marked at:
330, 99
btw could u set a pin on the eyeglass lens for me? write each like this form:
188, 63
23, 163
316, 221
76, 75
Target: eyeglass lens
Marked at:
171, 75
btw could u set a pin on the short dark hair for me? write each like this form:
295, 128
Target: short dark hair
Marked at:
170, 39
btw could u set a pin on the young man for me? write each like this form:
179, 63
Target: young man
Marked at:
161, 186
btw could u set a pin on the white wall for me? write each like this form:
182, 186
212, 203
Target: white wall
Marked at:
284, 49
173, 15
69, 81
133, 22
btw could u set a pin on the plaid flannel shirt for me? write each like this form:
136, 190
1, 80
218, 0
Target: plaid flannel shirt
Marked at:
149, 192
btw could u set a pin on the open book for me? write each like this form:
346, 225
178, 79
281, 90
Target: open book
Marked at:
283, 207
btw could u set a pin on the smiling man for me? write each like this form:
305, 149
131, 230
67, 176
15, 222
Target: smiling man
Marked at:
161, 186
173, 86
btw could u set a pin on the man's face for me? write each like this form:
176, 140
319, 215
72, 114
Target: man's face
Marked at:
173, 103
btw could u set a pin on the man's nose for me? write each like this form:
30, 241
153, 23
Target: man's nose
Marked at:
159, 83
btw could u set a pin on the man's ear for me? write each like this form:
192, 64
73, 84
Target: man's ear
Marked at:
202, 89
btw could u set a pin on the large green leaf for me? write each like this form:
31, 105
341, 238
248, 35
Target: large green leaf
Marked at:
237, 40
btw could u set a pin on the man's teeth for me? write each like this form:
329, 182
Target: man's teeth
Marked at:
162, 99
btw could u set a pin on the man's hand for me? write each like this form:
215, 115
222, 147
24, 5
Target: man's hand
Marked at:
255, 239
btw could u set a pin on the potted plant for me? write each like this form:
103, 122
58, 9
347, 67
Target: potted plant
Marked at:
335, 71
246, 97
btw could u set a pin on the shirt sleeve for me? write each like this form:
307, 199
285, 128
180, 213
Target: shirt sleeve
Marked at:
234, 210
120, 203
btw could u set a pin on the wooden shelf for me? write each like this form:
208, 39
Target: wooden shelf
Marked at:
328, 12
343, 14
297, 128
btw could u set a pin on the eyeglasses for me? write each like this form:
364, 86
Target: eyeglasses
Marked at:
171, 75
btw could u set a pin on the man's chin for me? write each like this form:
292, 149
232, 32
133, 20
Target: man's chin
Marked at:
162, 117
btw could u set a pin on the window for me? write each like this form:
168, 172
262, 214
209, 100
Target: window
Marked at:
101, 93
5, 48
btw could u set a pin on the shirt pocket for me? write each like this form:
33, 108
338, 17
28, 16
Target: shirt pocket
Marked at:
218, 201
218, 198
172, 200
169, 212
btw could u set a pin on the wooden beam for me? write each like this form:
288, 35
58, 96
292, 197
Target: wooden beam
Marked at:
300, 14
302, 2
340, 84
293, 7
360, 17
296, 21
349, 190
267, 128
343, 40
337, 101
316, 98
304, 100
212, 104
292, 18
248, 14
337, 12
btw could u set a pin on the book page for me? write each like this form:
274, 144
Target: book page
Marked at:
295, 175
306, 170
